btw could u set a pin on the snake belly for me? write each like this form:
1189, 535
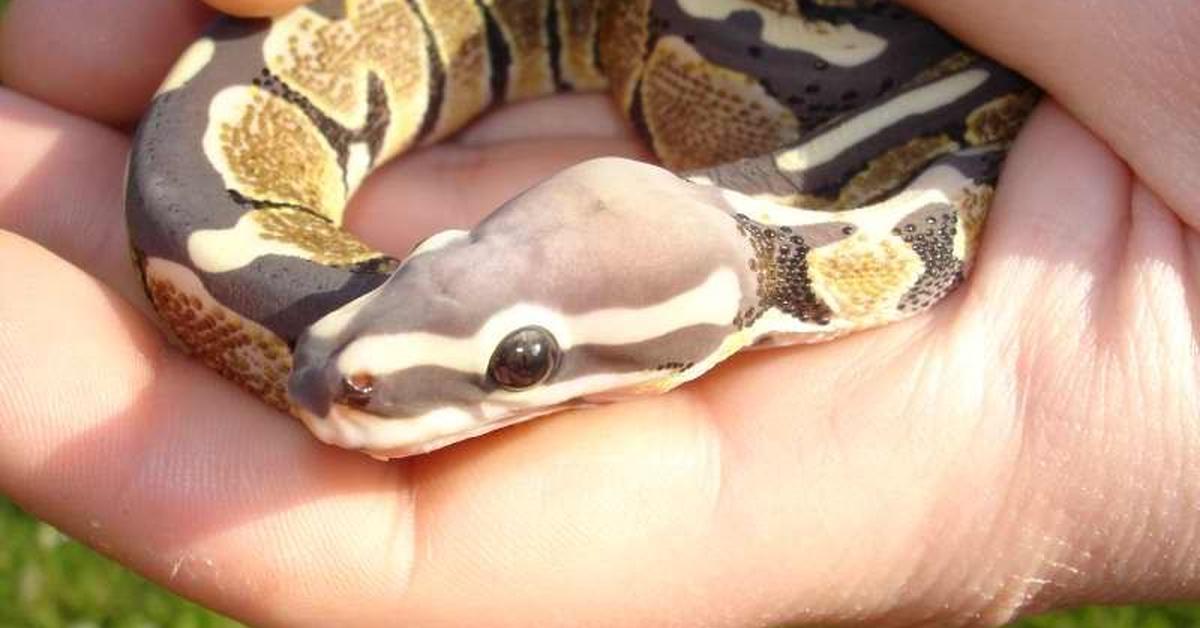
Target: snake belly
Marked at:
828, 168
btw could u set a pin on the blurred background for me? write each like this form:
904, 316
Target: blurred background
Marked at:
48, 580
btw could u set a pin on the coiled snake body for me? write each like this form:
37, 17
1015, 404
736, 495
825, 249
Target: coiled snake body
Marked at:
830, 166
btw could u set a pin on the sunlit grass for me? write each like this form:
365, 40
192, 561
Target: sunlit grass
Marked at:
50, 581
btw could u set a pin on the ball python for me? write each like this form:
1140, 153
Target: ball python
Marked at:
827, 166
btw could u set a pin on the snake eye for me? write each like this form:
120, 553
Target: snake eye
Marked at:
525, 358
357, 389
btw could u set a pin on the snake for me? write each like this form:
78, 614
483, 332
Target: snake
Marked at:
821, 167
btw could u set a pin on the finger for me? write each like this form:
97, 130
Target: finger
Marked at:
1035, 236
155, 460
61, 184
1084, 291
457, 183
96, 58
1127, 72
254, 8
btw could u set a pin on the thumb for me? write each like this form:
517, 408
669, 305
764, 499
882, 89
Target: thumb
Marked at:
1126, 72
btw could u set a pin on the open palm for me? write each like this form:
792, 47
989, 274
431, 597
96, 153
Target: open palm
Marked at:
1023, 445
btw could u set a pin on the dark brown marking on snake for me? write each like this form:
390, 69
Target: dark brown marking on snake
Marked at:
253, 203
499, 54
379, 116
981, 166
781, 264
340, 138
554, 47
762, 175
814, 90
243, 354
930, 232
437, 77
637, 113
827, 180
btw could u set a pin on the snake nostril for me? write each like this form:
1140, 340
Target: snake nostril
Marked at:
356, 390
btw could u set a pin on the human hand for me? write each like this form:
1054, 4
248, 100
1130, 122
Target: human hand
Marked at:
1026, 444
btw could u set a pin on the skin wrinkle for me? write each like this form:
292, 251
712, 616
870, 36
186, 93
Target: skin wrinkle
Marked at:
1146, 251
1163, 238
690, 396
994, 465
1191, 241
1112, 371
1004, 608
996, 335
1026, 518
216, 480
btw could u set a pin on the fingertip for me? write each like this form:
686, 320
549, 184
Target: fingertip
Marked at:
254, 8
95, 58
77, 355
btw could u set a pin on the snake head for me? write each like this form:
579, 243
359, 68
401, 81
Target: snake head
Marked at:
576, 292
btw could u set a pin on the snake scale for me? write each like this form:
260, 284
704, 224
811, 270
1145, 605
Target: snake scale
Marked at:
828, 168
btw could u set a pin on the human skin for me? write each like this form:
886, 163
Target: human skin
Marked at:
1028, 444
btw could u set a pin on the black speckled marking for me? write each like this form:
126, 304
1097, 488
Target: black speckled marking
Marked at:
930, 232
824, 96
781, 264
813, 89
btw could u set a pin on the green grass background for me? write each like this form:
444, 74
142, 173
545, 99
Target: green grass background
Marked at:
48, 580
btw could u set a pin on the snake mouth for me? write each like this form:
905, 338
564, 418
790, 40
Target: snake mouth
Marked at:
389, 437
385, 438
